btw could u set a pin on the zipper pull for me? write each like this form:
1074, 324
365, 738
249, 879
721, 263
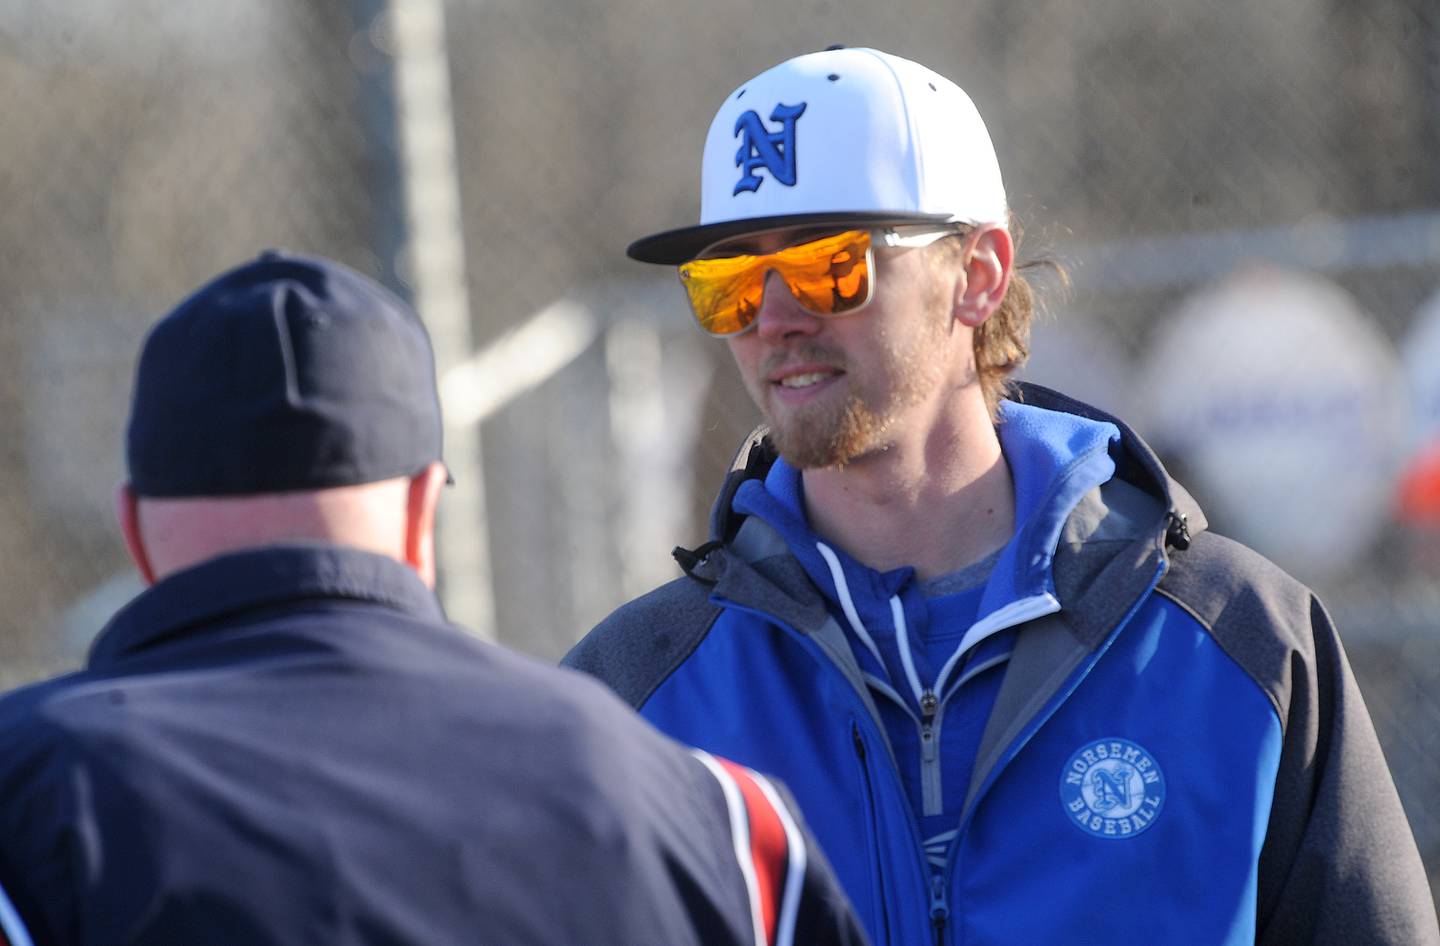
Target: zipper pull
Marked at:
929, 703
939, 909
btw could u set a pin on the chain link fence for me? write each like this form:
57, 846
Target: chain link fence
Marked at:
1161, 151
148, 145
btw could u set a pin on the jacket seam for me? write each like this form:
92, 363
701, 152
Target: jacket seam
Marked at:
682, 658
1210, 631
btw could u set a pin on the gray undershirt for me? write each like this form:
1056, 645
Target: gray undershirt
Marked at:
971, 576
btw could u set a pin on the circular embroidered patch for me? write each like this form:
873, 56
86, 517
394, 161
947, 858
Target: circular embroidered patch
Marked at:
1112, 788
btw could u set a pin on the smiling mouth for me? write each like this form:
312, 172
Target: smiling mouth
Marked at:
807, 379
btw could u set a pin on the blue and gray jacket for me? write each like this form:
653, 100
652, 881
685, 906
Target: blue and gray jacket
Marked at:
1155, 732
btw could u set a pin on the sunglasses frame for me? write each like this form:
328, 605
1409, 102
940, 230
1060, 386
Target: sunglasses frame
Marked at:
908, 236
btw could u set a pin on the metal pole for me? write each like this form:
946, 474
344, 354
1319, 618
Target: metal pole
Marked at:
1160, 262
375, 73
1430, 80
422, 250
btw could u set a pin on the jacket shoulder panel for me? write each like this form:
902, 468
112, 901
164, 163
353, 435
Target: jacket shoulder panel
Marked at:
643, 642
1258, 614
1339, 863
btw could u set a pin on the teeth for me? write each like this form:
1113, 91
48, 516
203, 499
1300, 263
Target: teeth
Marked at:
803, 380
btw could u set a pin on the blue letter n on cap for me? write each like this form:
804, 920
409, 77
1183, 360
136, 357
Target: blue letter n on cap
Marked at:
760, 147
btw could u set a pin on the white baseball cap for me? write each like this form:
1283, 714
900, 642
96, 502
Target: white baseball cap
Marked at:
841, 136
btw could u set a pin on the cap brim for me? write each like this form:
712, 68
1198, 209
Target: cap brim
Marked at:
674, 247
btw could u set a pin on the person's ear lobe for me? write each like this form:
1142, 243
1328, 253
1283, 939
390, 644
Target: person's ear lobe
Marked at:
988, 264
127, 514
422, 501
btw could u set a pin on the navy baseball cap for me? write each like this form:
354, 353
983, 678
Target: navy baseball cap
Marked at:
288, 373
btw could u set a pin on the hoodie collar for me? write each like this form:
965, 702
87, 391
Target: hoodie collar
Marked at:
779, 500
1055, 459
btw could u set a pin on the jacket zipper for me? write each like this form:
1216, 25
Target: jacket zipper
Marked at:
939, 908
881, 897
930, 769
930, 787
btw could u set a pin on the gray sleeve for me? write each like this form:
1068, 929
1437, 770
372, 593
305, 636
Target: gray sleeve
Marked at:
1339, 864
637, 647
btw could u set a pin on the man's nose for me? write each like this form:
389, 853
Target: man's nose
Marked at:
781, 314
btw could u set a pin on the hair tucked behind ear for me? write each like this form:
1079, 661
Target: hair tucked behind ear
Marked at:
1002, 342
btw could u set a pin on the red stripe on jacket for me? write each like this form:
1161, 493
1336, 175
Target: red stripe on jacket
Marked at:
769, 848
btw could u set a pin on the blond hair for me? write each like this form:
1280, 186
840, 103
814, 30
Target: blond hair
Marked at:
1002, 342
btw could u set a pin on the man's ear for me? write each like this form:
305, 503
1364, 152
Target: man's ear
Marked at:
989, 259
422, 501
127, 513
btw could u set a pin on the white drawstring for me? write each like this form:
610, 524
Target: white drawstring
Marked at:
902, 635
1016, 612
842, 589
847, 605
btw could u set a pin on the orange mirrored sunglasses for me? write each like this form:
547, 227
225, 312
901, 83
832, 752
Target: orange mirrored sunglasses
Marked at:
833, 275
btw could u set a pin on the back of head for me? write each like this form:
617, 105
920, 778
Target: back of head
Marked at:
288, 373
283, 400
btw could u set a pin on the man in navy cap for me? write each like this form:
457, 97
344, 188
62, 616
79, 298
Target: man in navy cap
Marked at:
282, 740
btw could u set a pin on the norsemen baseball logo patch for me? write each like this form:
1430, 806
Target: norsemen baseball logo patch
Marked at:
1112, 788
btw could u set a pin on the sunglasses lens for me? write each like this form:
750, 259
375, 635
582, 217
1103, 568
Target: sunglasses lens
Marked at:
724, 293
828, 276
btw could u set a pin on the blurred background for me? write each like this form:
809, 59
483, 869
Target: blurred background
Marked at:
1247, 198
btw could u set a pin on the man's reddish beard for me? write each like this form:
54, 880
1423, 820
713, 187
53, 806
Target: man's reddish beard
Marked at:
825, 434
834, 433
904, 372
843, 434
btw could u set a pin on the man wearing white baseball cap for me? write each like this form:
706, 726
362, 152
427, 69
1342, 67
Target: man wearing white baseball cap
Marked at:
1021, 693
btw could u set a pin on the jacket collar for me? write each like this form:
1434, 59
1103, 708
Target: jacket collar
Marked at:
229, 585
1110, 548
1136, 463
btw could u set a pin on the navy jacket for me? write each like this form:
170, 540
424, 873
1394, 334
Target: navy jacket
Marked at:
1178, 752
290, 746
